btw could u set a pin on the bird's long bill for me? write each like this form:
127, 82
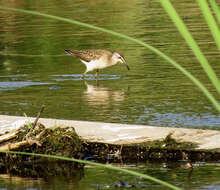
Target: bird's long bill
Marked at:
127, 65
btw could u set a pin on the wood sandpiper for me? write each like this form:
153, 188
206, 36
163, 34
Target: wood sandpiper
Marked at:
97, 59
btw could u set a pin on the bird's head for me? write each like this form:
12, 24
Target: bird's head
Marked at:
118, 57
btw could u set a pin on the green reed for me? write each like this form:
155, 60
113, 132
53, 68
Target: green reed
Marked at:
134, 173
215, 9
153, 49
210, 20
190, 40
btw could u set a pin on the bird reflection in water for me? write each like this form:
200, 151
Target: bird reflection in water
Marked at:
97, 95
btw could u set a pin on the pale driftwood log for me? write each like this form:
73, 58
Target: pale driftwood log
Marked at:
16, 145
26, 141
8, 136
119, 134
13, 146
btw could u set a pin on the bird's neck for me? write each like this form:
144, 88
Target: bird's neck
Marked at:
112, 61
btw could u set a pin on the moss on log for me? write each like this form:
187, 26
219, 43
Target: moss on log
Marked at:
64, 141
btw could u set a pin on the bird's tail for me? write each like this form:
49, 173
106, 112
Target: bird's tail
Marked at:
69, 52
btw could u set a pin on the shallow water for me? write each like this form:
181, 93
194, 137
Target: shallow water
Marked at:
204, 176
34, 69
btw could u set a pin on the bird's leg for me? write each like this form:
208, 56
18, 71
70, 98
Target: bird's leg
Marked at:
97, 73
83, 75
97, 82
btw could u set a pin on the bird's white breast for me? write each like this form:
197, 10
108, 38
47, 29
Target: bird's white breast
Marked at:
94, 64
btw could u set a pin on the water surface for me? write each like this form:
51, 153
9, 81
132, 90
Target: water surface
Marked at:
34, 69
204, 176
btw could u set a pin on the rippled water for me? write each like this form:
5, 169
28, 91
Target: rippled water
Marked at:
34, 69
204, 176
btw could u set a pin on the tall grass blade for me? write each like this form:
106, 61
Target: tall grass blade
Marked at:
203, 4
191, 42
215, 9
98, 165
156, 51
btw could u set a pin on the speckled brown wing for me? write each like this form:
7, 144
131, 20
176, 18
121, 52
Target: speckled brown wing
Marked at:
87, 55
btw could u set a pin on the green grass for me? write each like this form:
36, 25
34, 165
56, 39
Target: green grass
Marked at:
156, 51
29, 124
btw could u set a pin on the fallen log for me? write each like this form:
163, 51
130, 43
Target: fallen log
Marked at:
103, 141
